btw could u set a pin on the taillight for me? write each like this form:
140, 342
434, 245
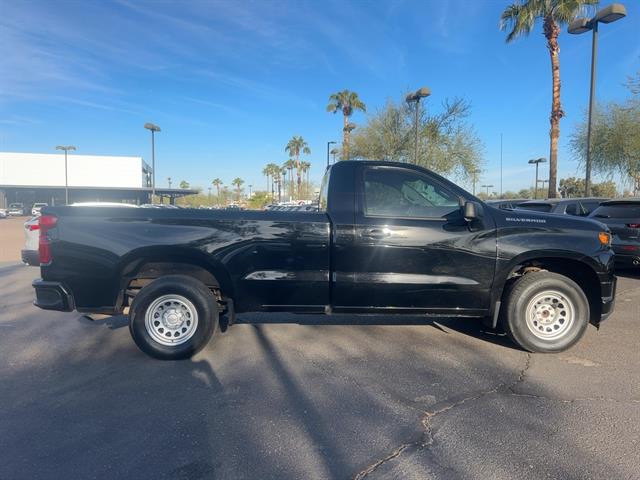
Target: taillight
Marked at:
633, 225
33, 227
46, 223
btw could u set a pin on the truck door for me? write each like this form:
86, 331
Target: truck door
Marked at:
411, 248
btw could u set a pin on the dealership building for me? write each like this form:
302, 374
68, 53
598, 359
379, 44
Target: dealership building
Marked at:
40, 177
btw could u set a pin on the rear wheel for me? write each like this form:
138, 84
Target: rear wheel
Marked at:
545, 312
173, 317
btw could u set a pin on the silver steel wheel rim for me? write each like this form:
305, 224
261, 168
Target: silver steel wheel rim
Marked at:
171, 320
550, 315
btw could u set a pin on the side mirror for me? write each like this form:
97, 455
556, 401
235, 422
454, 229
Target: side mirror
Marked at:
472, 211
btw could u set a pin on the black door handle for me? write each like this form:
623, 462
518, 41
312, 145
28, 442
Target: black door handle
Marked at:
376, 233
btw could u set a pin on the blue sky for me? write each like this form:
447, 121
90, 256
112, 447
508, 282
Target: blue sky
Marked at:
230, 82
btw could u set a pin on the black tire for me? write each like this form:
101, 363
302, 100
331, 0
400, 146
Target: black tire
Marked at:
199, 296
553, 291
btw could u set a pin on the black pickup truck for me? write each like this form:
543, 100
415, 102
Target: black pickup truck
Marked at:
386, 238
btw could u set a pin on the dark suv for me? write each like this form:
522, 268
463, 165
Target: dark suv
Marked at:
622, 216
579, 207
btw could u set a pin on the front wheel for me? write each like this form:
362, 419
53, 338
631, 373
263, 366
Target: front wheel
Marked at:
173, 317
545, 312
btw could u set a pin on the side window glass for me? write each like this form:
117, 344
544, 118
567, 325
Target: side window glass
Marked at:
393, 192
571, 209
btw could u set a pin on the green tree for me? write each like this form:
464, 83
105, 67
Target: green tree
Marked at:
184, 184
615, 140
237, 182
297, 146
520, 18
452, 146
346, 102
573, 187
217, 183
259, 200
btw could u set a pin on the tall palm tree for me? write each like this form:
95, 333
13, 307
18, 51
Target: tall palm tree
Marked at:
216, 183
290, 165
295, 147
238, 183
520, 18
305, 167
266, 171
347, 102
274, 170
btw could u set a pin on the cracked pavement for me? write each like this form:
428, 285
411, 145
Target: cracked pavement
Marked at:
286, 396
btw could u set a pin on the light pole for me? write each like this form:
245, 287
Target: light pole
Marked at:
66, 177
250, 187
608, 14
334, 152
169, 181
487, 187
209, 197
328, 147
153, 128
537, 162
415, 97
543, 182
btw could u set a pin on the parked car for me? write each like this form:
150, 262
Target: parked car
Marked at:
622, 216
16, 209
3, 213
507, 203
35, 209
580, 207
386, 238
30, 254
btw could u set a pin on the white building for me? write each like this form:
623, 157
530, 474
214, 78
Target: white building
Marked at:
40, 177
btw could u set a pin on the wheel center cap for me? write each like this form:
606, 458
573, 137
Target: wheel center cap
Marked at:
172, 318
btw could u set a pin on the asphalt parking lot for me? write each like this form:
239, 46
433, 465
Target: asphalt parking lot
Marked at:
284, 396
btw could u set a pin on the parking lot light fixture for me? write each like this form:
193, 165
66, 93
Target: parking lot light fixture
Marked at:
537, 162
66, 149
487, 187
608, 14
153, 129
415, 97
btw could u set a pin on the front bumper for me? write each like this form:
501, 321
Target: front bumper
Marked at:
52, 296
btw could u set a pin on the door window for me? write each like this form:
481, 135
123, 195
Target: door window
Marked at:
391, 192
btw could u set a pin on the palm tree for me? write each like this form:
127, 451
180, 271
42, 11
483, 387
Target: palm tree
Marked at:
238, 183
267, 173
216, 183
520, 18
290, 165
284, 171
184, 184
305, 167
346, 102
295, 147
273, 173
